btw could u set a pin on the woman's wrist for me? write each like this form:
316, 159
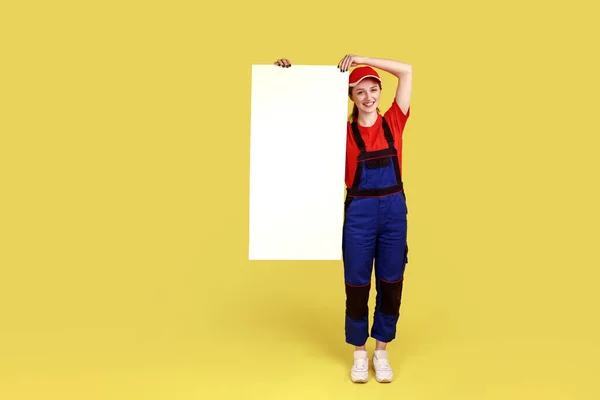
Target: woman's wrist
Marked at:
362, 60
393, 67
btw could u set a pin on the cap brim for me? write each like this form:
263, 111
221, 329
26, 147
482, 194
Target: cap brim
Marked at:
364, 77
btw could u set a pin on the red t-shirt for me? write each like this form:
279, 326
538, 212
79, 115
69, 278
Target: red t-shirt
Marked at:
374, 138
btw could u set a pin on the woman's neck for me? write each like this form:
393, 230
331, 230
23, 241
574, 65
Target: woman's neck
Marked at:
367, 120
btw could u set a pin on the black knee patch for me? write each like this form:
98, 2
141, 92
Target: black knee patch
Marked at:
357, 301
391, 296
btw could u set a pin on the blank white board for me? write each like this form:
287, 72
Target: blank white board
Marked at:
297, 162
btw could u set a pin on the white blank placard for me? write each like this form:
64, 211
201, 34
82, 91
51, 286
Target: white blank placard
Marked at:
297, 162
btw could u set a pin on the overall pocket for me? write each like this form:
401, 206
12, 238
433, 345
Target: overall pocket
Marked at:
378, 163
378, 173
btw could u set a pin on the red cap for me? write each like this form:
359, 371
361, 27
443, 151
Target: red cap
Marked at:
360, 73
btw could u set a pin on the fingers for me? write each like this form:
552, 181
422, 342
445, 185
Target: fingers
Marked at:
349, 62
342, 63
346, 62
283, 62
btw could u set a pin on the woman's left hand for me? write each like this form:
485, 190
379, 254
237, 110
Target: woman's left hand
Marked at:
350, 60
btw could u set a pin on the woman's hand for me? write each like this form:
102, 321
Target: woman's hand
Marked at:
350, 60
283, 62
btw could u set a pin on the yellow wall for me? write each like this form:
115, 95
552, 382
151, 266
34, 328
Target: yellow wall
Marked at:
124, 153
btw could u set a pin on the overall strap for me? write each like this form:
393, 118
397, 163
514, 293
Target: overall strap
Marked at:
390, 139
387, 132
357, 138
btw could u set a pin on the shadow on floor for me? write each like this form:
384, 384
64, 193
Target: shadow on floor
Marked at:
293, 317
316, 327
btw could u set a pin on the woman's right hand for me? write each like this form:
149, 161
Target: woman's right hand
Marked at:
283, 62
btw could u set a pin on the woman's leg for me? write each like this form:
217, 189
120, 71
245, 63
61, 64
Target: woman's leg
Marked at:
380, 345
359, 241
390, 263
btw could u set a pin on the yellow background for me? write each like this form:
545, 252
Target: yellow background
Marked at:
124, 154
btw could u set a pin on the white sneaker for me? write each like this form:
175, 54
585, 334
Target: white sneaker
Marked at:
381, 365
360, 369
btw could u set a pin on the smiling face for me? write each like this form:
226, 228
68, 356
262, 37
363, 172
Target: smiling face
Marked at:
366, 95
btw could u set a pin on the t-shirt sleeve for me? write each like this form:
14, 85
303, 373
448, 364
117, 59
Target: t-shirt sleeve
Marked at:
396, 119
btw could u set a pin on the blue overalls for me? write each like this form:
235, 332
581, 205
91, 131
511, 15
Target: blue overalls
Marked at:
375, 228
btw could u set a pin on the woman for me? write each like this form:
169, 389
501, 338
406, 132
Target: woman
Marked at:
375, 223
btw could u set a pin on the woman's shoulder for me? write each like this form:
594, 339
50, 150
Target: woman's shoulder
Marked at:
394, 111
396, 119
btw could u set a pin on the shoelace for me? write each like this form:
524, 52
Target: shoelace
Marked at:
383, 364
360, 363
